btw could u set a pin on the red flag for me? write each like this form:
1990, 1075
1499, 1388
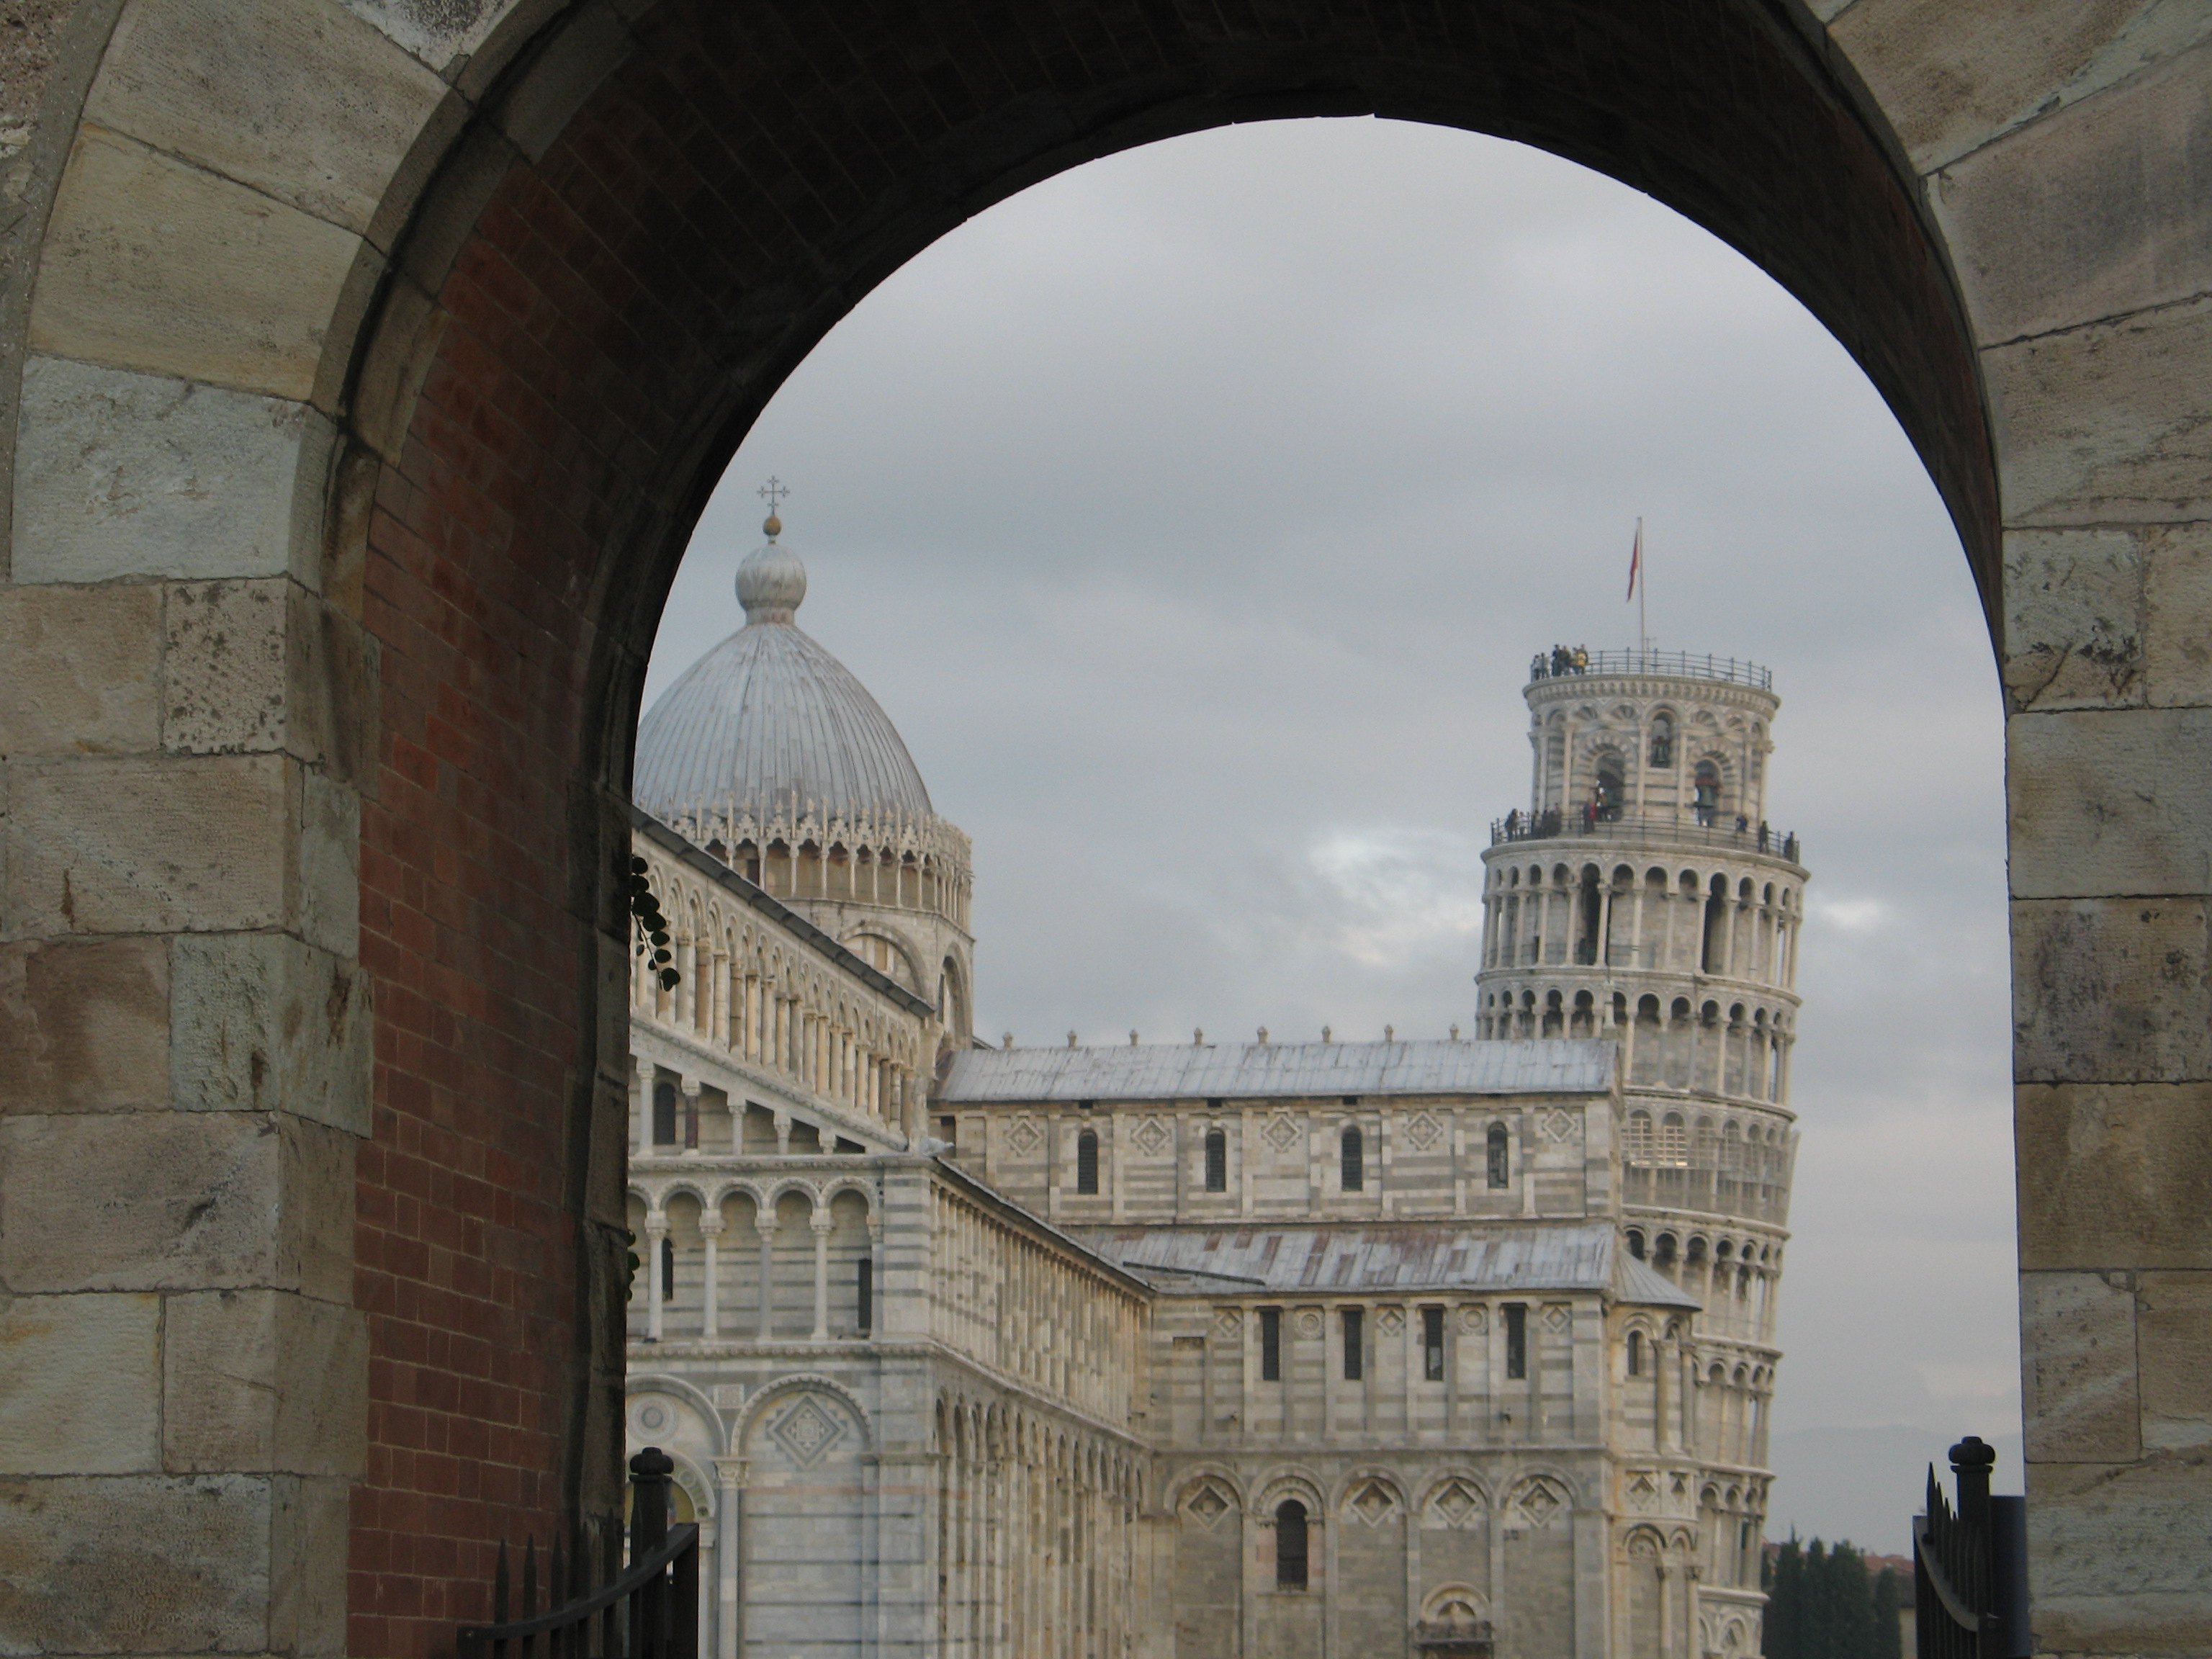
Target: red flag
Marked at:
1635, 562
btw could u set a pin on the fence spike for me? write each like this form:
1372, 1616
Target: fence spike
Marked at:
499, 1587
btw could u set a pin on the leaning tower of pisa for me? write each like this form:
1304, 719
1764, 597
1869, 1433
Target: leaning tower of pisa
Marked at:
1644, 893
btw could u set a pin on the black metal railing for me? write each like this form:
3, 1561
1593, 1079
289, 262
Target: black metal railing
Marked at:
1970, 1566
648, 1611
1561, 662
1702, 827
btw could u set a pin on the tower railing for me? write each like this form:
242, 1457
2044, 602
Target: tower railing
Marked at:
1703, 827
1561, 663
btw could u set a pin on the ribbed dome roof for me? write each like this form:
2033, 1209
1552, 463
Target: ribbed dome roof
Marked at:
769, 719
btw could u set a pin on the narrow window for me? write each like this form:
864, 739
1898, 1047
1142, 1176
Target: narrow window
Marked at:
1086, 1162
1271, 1345
1517, 1340
866, 1278
1291, 1545
948, 1131
1217, 1160
668, 1270
1497, 1144
1663, 740
664, 1115
1355, 1161
1636, 1353
1432, 1344
1355, 1333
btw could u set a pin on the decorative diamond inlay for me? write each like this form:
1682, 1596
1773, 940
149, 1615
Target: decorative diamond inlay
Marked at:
1390, 1322
806, 1431
1539, 1501
1207, 1506
1281, 1133
1558, 1126
1151, 1135
1024, 1136
1643, 1490
1423, 1131
1455, 1503
1556, 1317
1373, 1503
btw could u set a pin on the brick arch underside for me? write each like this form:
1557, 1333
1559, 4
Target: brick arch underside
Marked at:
581, 357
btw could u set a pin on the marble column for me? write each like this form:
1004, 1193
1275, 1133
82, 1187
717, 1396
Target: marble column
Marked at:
821, 1225
729, 1548
764, 1224
710, 1229
656, 1230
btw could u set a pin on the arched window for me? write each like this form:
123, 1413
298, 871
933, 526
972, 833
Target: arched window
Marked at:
668, 1270
1217, 1161
1706, 785
1662, 740
1610, 792
1086, 1162
1636, 1353
1354, 1148
1290, 1545
664, 1115
1635, 1243
1496, 1145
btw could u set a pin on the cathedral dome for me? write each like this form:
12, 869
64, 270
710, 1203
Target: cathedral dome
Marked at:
768, 723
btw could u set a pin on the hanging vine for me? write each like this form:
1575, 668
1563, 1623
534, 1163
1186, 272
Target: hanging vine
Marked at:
651, 926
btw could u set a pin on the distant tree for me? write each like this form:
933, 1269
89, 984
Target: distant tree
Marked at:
1846, 1604
1784, 1579
1888, 1629
1822, 1604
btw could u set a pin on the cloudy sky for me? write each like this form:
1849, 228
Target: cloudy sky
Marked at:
1194, 515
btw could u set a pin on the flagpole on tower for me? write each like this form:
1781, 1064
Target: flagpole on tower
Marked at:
1636, 586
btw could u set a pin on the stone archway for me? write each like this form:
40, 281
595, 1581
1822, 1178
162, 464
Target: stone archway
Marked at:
375, 360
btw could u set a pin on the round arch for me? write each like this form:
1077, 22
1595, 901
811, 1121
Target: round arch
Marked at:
484, 339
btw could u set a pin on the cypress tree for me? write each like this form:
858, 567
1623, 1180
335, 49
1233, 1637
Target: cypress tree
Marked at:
1784, 1578
1822, 1604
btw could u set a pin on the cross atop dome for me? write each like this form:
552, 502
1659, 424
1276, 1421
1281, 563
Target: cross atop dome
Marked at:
773, 493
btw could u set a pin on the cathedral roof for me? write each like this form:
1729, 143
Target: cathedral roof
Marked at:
1247, 1070
1491, 1257
769, 721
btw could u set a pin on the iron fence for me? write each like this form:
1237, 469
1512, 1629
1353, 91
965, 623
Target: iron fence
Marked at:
1560, 663
1712, 830
1970, 1566
648, 1611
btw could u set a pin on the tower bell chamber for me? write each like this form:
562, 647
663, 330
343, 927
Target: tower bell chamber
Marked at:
1643, 894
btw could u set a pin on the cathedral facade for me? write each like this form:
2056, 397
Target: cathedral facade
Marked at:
1448, 1348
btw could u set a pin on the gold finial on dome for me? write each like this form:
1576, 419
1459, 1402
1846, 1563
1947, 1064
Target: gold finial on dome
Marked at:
773, 493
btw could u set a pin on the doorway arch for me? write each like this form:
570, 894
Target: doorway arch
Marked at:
460, 361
